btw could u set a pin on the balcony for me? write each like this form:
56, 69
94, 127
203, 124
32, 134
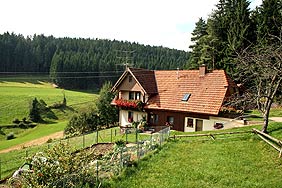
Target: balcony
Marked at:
129, 104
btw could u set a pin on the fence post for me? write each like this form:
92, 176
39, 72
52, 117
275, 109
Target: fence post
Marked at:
26, 153
151, 141
83, 141
138, 153
115, 132
160, 140
136, 135
0, 169
121, 163
97, 172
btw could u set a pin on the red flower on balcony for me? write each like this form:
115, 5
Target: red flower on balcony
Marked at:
128, 104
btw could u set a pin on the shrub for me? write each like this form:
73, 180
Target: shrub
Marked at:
10, 136
82, 123
16, 121
60, 167
120, 143
22, 125
25, 121
50, 140
1, 131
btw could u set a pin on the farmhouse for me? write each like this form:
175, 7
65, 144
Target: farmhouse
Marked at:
187, 100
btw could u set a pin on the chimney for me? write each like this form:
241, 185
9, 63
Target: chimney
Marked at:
202, 70
177, 73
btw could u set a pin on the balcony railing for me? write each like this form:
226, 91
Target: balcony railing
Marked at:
129, 104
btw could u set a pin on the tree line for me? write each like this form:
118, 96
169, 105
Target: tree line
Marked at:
232, 28
248, 45
78, 63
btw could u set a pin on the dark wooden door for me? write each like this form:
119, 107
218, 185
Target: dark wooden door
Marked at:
199, 125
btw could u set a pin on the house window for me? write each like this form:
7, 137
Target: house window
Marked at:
170, 120
186, 97
134, 95
131, 95
129, 78
190, 123
130, 116
137, 95
154, 118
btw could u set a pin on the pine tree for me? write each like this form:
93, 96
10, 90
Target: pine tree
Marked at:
34, 111
269, 21
197, 48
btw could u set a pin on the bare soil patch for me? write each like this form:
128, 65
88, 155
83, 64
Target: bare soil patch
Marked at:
35, 142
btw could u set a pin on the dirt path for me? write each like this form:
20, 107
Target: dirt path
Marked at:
35, 142
276, 119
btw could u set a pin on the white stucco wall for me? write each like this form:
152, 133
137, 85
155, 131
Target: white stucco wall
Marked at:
123, 116
208, 124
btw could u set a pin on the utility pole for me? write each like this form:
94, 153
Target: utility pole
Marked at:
127, 57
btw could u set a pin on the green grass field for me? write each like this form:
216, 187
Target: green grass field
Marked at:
15, 97
243, 161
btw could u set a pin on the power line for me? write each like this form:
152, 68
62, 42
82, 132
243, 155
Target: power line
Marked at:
69, 72
127, 57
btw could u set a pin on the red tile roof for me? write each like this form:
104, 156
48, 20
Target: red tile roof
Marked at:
146, 78
207, 92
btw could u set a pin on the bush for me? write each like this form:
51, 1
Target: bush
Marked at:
16, 121
82, 123
10, 136
60, 167
1, 131
22, 125
120, 143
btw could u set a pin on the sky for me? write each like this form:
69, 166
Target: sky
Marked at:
166, 23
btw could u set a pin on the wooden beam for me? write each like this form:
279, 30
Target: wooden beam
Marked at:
267, 141
209, 134
269, 137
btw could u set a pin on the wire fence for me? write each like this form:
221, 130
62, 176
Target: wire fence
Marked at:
138, 145
125, 156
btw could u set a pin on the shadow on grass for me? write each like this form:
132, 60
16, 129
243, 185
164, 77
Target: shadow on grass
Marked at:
276, 127
25, 78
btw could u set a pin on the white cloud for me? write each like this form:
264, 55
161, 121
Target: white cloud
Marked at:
154, 22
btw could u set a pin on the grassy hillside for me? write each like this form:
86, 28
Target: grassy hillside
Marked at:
234, 162
16, 95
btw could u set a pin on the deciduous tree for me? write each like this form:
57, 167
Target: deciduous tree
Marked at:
260, 70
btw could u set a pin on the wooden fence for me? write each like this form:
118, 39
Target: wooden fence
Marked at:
275, 143
212, 135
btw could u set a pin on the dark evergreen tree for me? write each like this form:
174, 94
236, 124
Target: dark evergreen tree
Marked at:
34, 111
228, 31
268, 19
198, 35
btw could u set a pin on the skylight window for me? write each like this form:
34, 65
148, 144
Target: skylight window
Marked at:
186, 97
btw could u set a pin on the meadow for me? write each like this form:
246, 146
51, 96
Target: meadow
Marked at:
15, 98
243, 161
